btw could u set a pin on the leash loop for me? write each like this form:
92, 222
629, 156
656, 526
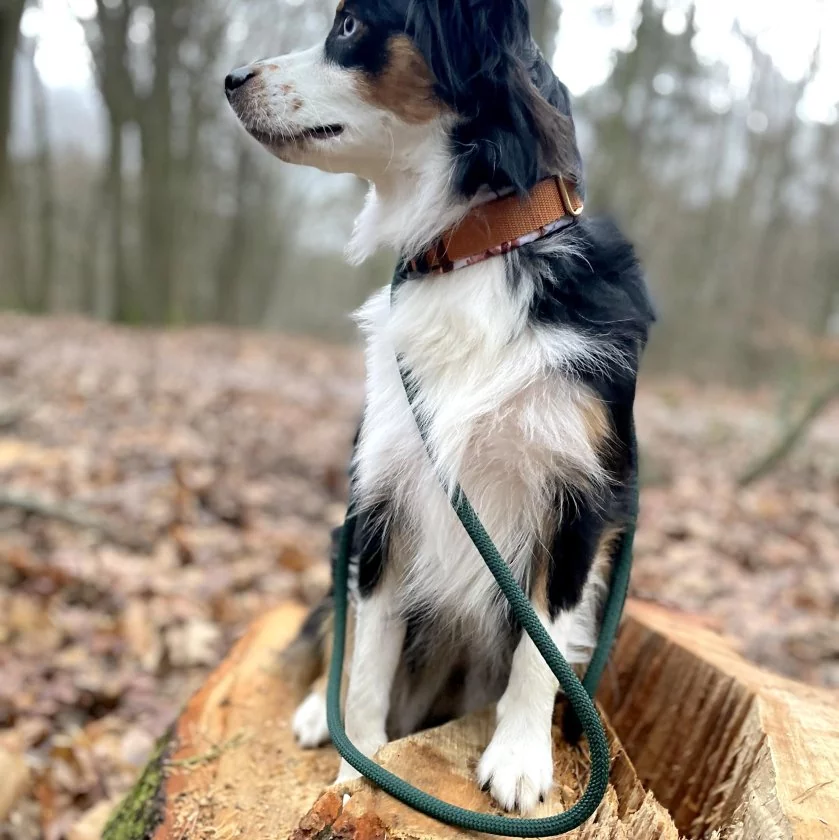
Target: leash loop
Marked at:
579, 694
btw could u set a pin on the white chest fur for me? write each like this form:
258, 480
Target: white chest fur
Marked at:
504, 418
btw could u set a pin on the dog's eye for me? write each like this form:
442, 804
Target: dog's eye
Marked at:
349, 27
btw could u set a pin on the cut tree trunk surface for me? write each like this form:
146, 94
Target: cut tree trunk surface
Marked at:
722, 743
703, 745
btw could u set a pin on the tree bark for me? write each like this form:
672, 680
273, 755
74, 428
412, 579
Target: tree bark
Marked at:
42, 283
544, 23
12, 258
158, 217
11, 12
124, 309
232, 258
110, 46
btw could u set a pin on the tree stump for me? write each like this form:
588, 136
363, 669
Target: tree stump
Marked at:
703, 745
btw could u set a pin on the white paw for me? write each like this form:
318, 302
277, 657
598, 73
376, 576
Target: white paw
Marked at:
309, 722
517, 768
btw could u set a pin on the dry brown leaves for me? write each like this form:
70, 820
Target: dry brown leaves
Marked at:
763, 561
224, 454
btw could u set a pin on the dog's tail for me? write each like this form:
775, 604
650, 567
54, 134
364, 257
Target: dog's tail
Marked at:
304, 660
572, 729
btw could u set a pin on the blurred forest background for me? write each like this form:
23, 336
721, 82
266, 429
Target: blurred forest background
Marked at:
179, 390
135, 197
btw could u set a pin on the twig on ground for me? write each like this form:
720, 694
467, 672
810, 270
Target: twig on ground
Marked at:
11, 414
73, 515
811, 790
214, 753
778, 453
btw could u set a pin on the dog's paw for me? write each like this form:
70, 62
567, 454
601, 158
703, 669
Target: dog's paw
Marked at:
517, 768
309, 722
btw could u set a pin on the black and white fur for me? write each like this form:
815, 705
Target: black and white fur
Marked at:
525, 367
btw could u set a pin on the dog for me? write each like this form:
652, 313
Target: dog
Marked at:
524, 361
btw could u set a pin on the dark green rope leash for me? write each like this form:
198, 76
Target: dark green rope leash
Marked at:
579, 694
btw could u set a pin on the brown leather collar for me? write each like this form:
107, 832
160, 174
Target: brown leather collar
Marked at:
501, 226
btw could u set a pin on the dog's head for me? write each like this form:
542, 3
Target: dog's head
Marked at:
398, 82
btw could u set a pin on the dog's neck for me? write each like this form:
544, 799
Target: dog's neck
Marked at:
410, 208
411, 201
405, 212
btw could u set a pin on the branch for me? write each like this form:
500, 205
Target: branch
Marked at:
77, 517
12, 414
778, 453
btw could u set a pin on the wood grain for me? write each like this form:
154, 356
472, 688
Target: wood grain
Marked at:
723, 744
703, 745
236, 771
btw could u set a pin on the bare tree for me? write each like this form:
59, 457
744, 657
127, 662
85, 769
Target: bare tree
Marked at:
12, 252
184, 219
108, 38
11, 12
156, 136
235, 250
41, 284
544, 18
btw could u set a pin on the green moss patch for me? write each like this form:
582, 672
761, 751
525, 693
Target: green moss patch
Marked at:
142, 810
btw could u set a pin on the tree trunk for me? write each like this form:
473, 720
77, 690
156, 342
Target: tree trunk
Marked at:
723, 746
544, 23
42, 284
232, 258
158, 216
111, 53
157, 221
11, 12
124, 309
12, 258
827, 254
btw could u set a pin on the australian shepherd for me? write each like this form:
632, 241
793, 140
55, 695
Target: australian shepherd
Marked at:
524, 357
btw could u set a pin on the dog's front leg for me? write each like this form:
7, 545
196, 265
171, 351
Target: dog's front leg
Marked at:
517, 766
379, 636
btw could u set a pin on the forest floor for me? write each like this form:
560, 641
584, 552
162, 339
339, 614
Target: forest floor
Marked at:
161, 489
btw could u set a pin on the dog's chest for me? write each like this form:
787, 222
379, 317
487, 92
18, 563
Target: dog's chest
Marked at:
499, 420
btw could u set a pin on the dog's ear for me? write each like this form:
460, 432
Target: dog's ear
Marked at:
487, 68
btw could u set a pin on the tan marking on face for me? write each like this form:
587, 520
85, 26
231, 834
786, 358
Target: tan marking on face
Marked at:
405, 87
340, 5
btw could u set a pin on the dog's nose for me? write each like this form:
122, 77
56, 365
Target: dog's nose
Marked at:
237, 78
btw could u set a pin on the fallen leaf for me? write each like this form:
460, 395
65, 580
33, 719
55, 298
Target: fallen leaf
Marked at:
197, 642
142, 635
16, 781
92, 823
